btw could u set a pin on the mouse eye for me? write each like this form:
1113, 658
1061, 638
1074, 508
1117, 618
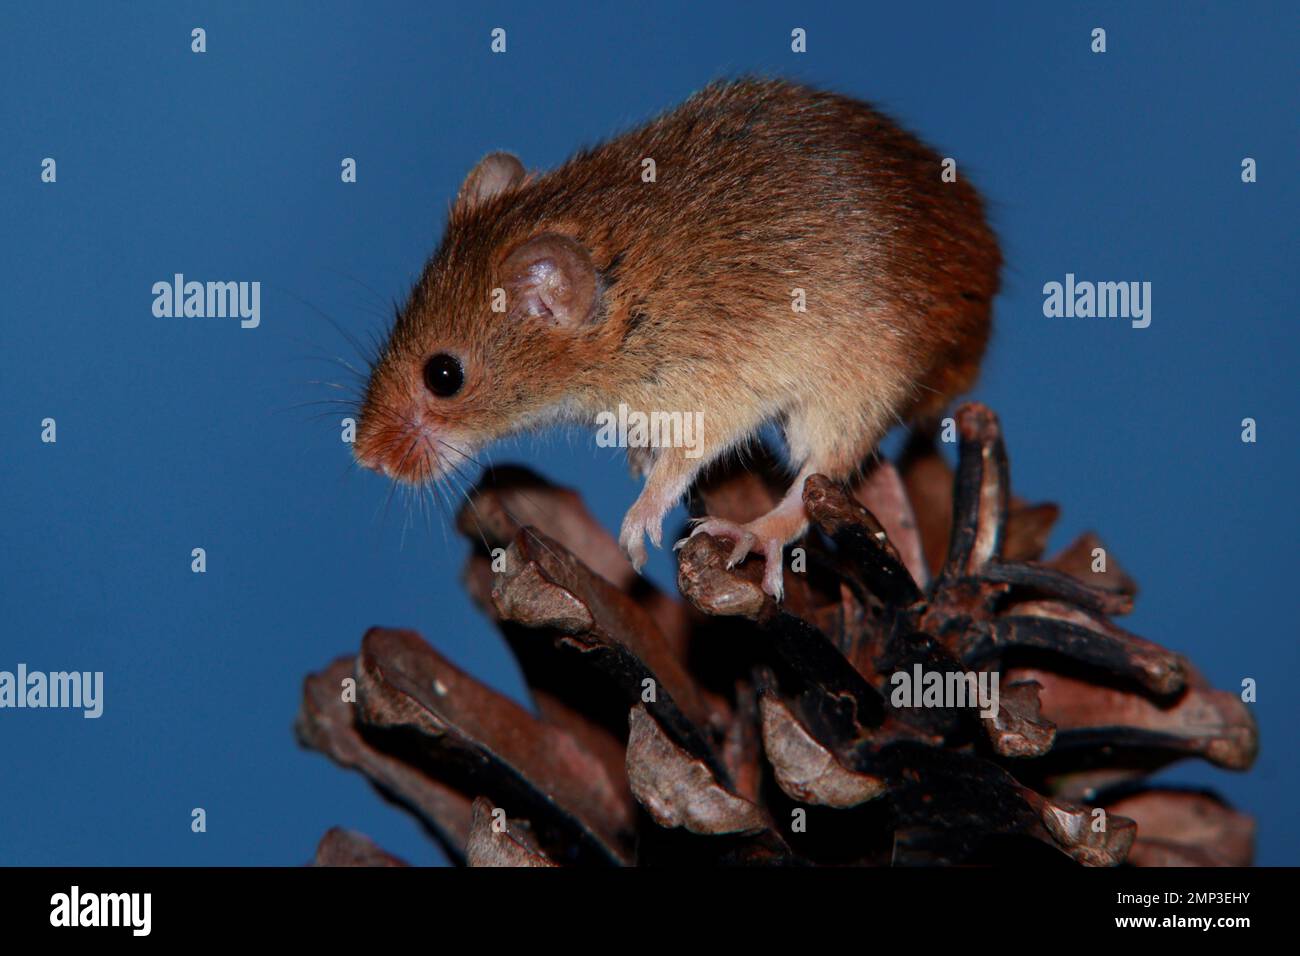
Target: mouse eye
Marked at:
443, 375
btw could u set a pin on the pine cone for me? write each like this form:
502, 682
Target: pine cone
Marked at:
730, 729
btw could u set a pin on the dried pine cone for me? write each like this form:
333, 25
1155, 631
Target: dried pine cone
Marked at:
730, 729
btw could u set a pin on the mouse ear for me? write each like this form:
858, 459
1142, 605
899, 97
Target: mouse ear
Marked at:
494, 174
551, 276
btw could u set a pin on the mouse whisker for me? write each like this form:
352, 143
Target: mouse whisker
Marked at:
388, 499
504, 507
339, 360
430, 502
345, 402
452, 473
380, 299
330, 359
428, 488
368, 358
437, 494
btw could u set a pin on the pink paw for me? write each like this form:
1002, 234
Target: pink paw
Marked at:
746, 541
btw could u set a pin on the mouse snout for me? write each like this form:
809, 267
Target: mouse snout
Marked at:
403, 447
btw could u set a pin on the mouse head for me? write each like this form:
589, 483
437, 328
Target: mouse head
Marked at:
501, 333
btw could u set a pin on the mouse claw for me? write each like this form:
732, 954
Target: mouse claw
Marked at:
638, 556
744, 545
699, 525
636, 553
743, 539
774, 570
745, 542
632, 540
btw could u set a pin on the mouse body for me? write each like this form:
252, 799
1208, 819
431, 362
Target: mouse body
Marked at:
794, 257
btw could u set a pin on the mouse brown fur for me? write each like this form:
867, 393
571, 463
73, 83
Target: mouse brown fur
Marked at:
677, 295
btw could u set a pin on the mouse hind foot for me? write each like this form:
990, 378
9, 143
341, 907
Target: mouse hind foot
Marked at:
766, 535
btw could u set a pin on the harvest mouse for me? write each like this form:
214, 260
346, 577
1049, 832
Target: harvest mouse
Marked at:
557, 296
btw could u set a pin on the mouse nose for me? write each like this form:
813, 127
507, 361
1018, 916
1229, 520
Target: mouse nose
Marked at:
371, 458
365, 452
401, 448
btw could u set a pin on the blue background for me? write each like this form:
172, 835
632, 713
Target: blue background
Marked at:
180, 433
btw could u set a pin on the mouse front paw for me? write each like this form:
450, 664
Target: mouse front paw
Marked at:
637, 526
746, 539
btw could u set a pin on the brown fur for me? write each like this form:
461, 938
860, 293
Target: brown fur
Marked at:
763, 186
